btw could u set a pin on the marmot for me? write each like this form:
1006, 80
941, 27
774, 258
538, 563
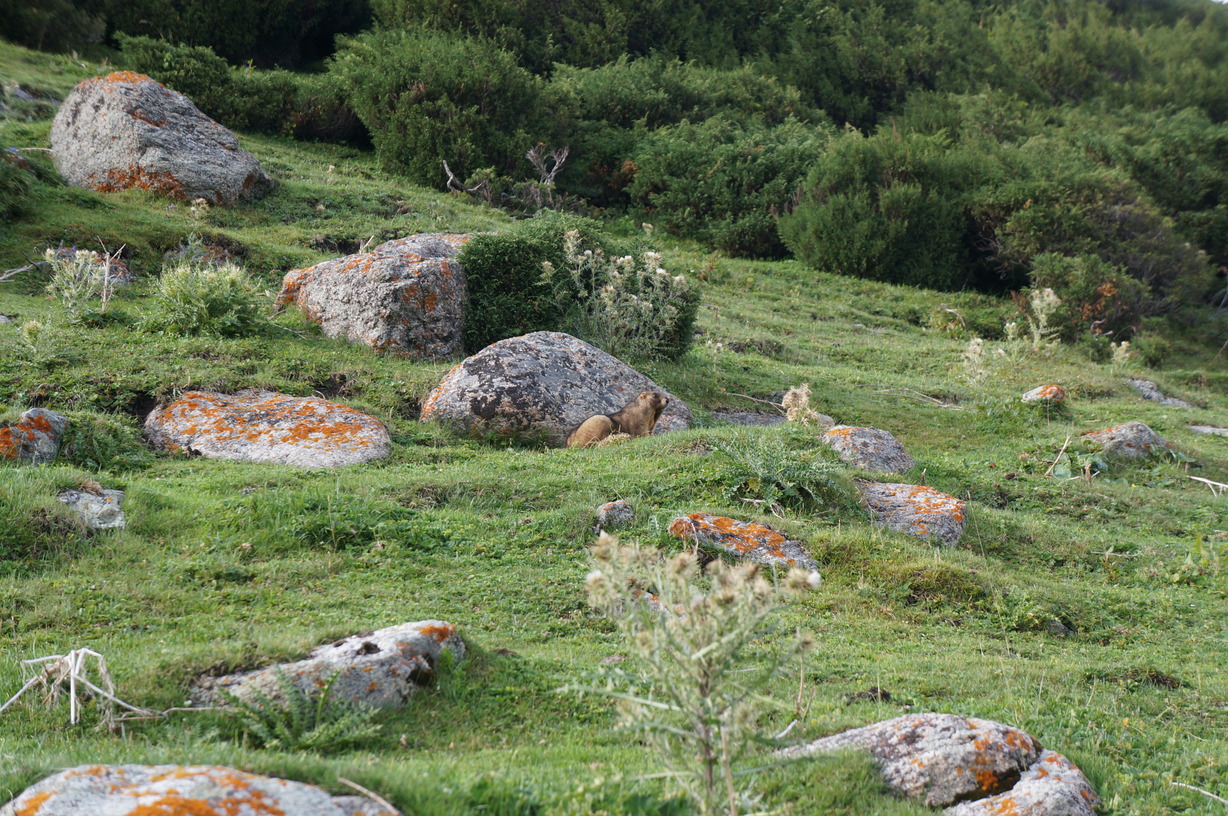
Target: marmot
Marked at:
636, 418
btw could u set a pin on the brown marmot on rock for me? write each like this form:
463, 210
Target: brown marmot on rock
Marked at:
636, 418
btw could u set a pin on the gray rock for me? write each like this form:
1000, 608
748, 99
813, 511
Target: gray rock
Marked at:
5, 319
1053, 394
1209, 429
201, 790
381, 669
35, 439
1151, 392
869, 449
125, 131
744, 539
406, 297
975, 765
544, 385
99, 511
614, 514
1133, 440
917, 510
263, 426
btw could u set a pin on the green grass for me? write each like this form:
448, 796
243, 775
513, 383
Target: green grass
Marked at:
227, 565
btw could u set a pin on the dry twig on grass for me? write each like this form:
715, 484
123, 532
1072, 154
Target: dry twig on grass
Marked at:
69, 674
1217, 488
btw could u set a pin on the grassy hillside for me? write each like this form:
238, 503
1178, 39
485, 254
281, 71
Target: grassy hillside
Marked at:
227, 565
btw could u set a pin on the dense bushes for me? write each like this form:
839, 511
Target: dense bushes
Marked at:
430, 97
724, 183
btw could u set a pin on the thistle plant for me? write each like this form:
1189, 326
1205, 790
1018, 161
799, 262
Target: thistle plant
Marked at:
302, 720
796, 403
693, 693
203, 298
1121, 355
628, 306
1044, 304
77, 277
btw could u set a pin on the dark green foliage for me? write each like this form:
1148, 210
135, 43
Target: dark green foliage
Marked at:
722, 182
14, 186
103, 442
507, 294
299, 720
890, 208
427, 98
54, 25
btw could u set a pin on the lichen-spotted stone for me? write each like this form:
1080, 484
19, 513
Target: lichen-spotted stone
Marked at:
980, 767
405, 297
125, 131
179, 790
916, 509
743, 539
1132, 440
263, 426
543, 385
35, 438
870, 449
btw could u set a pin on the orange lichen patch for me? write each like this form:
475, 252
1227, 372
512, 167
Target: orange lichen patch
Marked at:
1052, 392
19, 438
31, 807
843, 431
987, 779
439, 633
273, 420
10, 447
163, 182
116, 78
744, 538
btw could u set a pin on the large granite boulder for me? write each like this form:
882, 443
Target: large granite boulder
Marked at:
263, 426
381, 669
179, 790
125, 131
975, 765
915, 509
544, 385
869, 449
406, 297
1133, 440
35, 439
742, 539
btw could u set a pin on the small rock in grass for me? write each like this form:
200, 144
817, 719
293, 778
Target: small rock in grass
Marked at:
178, 790
405, 297
35, 439
100, 510
614, 514
5, 319
1151, 392
869, 449
744, 539
125, 131
541, 385
1052, 394
977, 766
263, 426
1133, 440
381, 669
917, 510
1209, 429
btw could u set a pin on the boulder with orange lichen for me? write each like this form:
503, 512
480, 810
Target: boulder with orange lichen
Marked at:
382, 669
405, 297
263, 426
35, 438
180, 790
541, 385
915, 509
1133, 440
1052, 394
869, 449
743, 539
125, 131
975, 765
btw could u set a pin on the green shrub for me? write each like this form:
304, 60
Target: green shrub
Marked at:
97, 442
204, 299
427, 98
722, 182
507, 293
890, 208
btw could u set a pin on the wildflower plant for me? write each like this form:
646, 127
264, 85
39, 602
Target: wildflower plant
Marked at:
78, 277
693, 693
629, 306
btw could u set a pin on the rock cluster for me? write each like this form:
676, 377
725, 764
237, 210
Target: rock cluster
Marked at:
125, 131
405, 297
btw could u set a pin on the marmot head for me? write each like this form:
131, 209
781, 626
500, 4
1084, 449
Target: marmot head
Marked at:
654, 398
